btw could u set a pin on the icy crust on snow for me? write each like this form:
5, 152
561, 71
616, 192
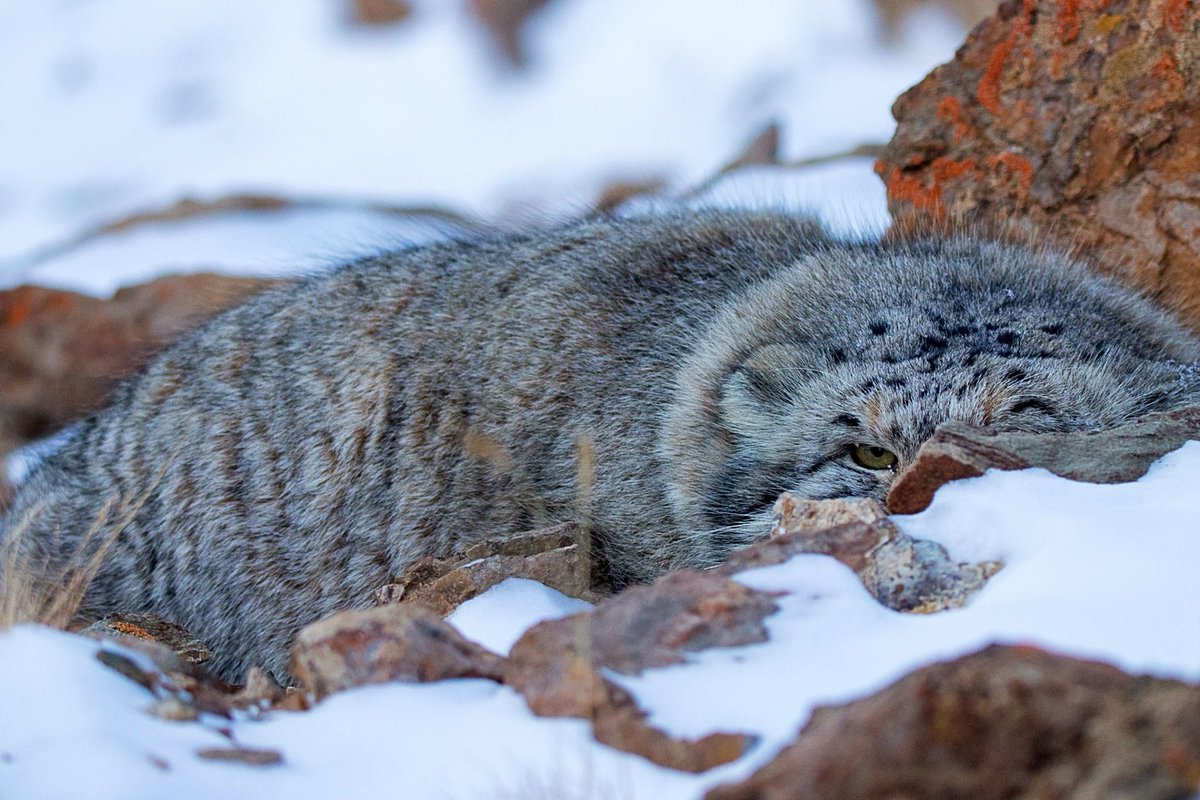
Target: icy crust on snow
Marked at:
1095, 571
121, 106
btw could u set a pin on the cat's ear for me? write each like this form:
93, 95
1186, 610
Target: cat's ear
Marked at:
758, 393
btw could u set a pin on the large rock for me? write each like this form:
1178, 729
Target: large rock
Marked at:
62, 353
1123, 454
1007, 723
1068, 118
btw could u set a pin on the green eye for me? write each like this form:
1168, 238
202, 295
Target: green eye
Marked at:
870, 456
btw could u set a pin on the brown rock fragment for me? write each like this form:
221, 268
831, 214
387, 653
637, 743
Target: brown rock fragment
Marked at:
552, 556
556, 664
261, 693
182, 690
1066, 117
641, 628
165, 659
379, 13
625, 729
968, 12
390, 643
902, 573
918, 576
653, 626
1119, 455
1007, 722
505, 21
146, 627
819, 515
618, 192
250, 756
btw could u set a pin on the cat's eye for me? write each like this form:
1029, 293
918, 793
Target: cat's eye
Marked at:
870, 456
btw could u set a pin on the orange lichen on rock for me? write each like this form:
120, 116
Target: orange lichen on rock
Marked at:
946, 169
912, 191
950, 110
1016, 165
1175, 14
1067, 21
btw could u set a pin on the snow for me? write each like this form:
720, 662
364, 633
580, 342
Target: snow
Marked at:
75, 728
1094, 571
124, 106
497, 618
846, 196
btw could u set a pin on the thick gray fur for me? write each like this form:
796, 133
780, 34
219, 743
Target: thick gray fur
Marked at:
297, 452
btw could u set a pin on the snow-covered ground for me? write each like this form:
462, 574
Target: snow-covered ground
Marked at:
119, 106
1103, 572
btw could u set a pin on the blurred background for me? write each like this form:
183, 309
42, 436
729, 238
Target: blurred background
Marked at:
356, 123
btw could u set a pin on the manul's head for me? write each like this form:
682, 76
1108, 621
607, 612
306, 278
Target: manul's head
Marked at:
826, 379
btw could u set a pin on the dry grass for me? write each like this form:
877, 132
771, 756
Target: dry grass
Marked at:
35, 589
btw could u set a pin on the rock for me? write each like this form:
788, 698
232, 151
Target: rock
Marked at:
389, 643
1007, 722
182, 690
173, 709
378, 13
656, 625
147, 627
616, 193
919, 577
812, 516
895, 13
166, 660
624, 728
1062, 117
261, 693
128, 668
552, 556
250, 756
1123, 454
557, 664
64, 352
902, 573
504, 20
